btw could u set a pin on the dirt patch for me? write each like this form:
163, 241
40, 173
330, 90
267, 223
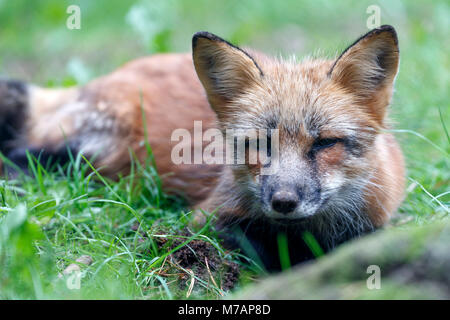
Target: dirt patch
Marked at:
204, 260
199, 258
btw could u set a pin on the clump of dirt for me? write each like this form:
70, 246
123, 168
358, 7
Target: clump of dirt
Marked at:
204, 260
198, 257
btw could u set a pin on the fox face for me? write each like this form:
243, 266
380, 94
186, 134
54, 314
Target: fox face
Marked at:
327, 116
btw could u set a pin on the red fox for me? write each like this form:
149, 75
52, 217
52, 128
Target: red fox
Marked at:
339, 174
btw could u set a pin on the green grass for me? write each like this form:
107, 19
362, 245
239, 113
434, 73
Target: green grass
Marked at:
49, 220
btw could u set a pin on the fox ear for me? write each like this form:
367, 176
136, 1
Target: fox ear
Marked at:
225, 70
368, 68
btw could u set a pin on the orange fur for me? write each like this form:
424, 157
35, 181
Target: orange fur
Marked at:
172, 97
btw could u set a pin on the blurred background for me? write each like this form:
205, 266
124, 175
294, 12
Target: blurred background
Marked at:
36, 45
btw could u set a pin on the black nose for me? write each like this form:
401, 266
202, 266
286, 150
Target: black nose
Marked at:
284, 201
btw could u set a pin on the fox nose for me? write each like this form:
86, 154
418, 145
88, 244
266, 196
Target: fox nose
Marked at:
284, 201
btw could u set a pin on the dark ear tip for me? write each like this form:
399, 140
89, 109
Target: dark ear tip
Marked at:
386, 28
204, 35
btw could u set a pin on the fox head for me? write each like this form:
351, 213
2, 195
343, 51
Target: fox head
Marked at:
327, 115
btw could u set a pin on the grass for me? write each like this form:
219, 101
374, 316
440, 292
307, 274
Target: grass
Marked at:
129, 226
51, 219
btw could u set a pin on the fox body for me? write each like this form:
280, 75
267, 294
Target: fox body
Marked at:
339, 174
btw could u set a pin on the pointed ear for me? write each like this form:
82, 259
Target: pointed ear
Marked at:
368, 68
225, 70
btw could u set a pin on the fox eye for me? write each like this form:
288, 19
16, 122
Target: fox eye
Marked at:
320, 144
